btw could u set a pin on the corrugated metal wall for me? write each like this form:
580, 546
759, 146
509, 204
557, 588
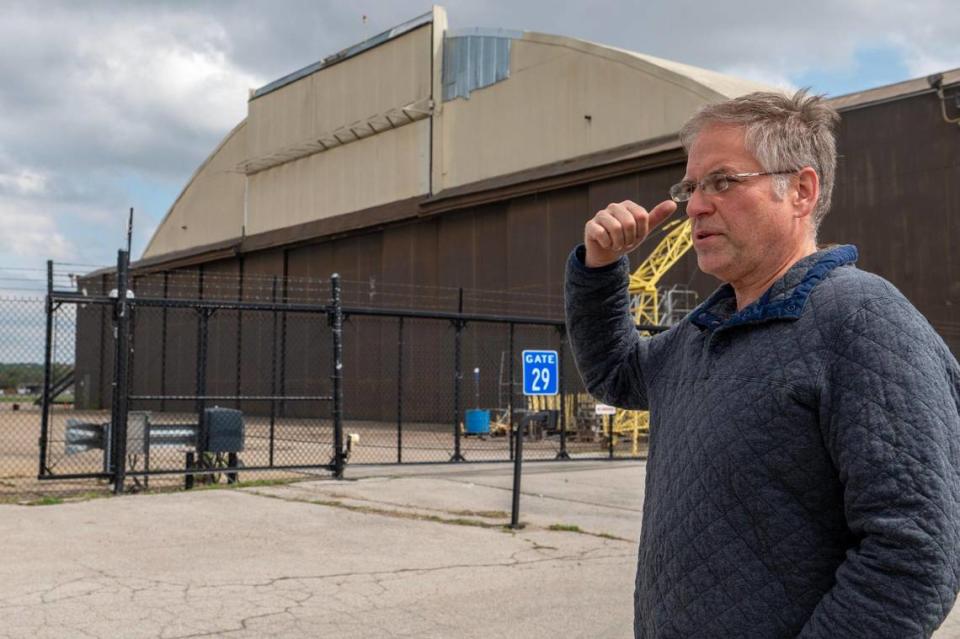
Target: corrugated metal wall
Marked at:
898, 200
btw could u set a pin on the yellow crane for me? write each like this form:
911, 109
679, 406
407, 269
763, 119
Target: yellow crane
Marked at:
645, 304
645, 301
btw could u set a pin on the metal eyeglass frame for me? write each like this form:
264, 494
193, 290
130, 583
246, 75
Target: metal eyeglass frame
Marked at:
714, 183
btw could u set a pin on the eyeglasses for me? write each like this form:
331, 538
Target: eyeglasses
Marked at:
713, 184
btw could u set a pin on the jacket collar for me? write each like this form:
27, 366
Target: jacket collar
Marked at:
784, 300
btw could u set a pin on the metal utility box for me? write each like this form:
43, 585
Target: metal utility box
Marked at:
222, 431
81, 437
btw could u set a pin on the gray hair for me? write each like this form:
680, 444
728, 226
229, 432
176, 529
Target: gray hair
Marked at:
782, 133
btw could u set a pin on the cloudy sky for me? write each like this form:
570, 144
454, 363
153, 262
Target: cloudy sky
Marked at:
107, 105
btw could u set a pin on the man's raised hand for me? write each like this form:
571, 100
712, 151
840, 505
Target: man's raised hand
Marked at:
619, 228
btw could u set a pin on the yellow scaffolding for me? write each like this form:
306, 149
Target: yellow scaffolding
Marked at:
646, 308
644, 280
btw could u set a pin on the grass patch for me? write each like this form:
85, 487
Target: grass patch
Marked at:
396, 514
458, 518
371, 510
252, 483
539, 546
485, 514
52, 500
565, 528
35, 499
18, 399
87, 496
45, 501
608, 536
576, 529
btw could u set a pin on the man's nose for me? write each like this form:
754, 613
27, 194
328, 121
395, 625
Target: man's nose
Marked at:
698, 204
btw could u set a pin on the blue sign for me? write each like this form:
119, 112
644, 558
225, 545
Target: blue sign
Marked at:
540, 372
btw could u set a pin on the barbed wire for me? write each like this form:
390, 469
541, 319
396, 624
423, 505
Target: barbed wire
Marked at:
93, 266
299, 283
355, 292
19, 298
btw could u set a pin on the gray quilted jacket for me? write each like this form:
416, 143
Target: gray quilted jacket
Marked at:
803, 478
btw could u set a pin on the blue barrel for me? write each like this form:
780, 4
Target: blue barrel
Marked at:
478, 421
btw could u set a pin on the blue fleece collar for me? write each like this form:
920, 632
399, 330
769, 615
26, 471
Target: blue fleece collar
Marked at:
783, 307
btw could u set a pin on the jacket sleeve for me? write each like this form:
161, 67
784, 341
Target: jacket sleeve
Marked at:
609, 352
889, 418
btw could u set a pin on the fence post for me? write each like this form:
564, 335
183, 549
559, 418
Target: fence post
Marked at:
200, 386
458, 325
118, 420
239, 332
510, 388
47, 362
132, 341
105, 315
336, 322
457, 377
131, 385
273, 373
285, 299
163, 343
517, 434
400, 391
610, 433
563, 396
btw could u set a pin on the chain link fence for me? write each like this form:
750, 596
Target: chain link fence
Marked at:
438, 384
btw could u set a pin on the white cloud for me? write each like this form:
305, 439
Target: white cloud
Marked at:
28, 234
129, 88
24, 182
921, 62
152, 70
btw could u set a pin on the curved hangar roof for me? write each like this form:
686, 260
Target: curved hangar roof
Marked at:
416, 113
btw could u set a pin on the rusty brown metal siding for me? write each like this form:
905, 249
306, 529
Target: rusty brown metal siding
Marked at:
146, 357
221, 281
261, 335
180, 376
898, 199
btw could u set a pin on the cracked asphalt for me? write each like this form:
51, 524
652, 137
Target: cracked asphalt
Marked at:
408, 552
421, 555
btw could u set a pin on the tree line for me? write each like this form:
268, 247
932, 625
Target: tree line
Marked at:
17, 374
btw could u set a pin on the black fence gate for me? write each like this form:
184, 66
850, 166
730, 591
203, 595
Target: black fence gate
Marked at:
146, 404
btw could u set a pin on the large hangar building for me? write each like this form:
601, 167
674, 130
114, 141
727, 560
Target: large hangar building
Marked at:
418, 154
431, 158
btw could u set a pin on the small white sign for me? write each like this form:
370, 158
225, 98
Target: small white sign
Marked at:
605, 409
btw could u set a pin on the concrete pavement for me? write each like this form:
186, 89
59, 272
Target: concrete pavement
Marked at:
407, 557
408, 552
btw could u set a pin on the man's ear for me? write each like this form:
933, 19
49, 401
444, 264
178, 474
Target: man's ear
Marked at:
806, 191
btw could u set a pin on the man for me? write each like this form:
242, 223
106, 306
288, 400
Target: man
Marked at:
802, 479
